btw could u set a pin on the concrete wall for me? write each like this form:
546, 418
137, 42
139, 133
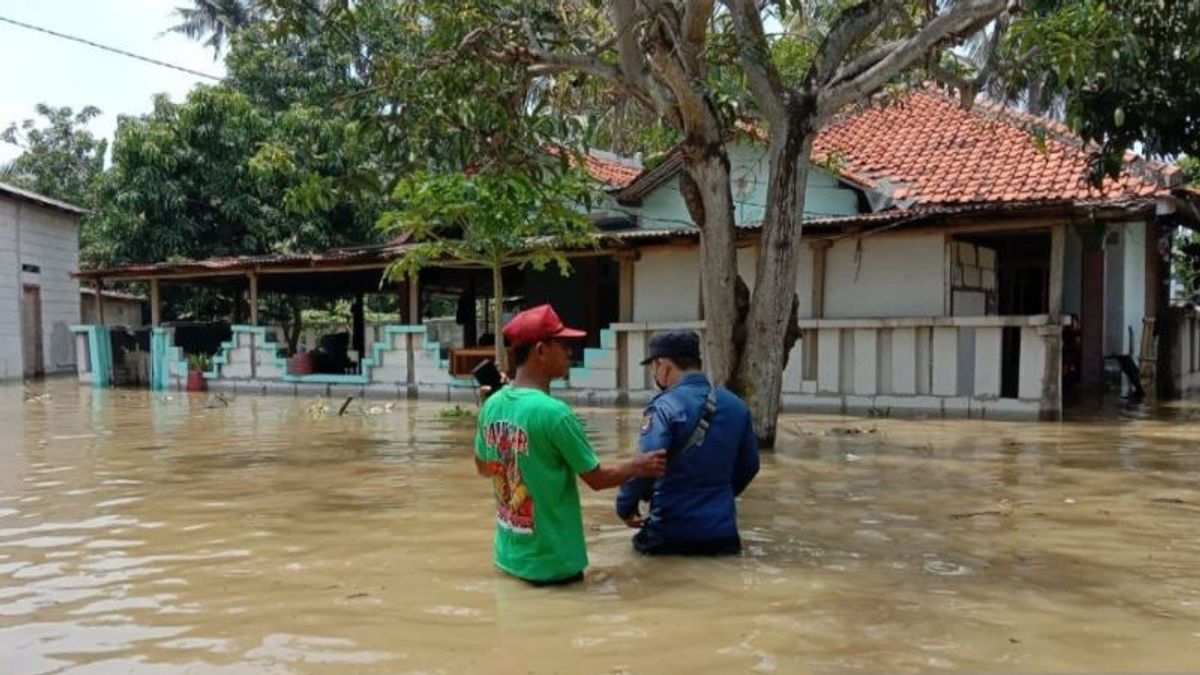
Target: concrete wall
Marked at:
117, 311
893, 275
49, 240
666, 284
11, 360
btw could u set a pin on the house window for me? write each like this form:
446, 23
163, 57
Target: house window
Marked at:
32, 269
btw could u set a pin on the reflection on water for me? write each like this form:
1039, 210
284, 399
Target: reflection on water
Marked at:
146, 533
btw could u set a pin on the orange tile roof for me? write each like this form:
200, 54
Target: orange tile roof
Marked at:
611, 173
926, 149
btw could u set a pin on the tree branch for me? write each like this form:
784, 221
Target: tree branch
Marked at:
850, 28
862, 63
633, 66
761, 73
956, 23
694, 31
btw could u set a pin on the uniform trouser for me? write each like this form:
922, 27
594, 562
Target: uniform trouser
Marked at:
654, 546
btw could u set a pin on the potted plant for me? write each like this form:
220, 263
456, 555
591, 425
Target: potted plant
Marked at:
198, 364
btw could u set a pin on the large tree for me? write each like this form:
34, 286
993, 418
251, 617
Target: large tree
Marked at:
60, 158
676, 59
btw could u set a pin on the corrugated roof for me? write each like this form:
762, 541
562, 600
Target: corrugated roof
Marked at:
40, 200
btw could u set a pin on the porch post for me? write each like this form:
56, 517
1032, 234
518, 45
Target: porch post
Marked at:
820, 248
1051, 403
100, 302
1058, 247
253, 298
359, 326
155, 304
810, 352
414, 299
625, 287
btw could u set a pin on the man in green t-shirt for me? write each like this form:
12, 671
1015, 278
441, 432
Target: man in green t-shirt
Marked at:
532, 446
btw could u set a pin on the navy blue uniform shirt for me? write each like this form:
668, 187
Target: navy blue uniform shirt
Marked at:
694, 501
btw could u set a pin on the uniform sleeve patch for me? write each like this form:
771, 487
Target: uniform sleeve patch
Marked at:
646, 423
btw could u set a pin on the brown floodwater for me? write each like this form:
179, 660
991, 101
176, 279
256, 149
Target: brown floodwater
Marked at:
151, 533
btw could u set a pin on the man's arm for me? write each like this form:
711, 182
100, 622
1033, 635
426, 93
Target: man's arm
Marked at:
657, 433
745, 468
643, 465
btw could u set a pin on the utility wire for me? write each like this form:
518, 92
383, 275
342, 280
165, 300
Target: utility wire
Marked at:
114, 50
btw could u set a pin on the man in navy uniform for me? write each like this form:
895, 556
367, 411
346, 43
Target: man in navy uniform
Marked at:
712, 455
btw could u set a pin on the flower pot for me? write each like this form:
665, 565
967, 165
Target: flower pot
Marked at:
301, 364
195, 381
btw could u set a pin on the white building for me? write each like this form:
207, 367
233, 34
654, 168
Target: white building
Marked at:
39, 299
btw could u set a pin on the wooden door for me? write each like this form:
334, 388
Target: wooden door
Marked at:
31, 323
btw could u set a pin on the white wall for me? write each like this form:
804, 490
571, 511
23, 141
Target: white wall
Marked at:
895, 275
1134, 304
49, 239
666, 284
11, 360
664, 208
117, 311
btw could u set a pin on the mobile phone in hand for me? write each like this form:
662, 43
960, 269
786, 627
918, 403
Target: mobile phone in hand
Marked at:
487, 375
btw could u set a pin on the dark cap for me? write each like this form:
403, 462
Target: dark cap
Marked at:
673, 344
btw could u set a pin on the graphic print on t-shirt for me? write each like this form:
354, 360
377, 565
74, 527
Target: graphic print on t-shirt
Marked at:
514, 505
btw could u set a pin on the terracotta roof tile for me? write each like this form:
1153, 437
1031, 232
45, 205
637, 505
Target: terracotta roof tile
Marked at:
612, 173
942, 153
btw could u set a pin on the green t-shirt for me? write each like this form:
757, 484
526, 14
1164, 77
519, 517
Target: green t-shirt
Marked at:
534, 447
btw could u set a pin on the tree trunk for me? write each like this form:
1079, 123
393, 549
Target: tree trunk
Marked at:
498, 316
705, 188
759, 375
294, 327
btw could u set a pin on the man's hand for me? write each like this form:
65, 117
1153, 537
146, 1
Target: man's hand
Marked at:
643, 465
635, 521
649, 464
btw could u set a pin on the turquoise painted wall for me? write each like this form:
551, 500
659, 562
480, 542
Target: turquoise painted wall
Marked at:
826, 196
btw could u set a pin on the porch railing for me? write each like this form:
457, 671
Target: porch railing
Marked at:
944, 363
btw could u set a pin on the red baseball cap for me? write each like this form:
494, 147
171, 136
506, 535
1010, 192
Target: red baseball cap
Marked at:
537, 324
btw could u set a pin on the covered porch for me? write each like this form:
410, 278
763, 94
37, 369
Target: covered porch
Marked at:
417, 336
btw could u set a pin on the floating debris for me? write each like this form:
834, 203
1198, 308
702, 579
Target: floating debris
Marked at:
456, 412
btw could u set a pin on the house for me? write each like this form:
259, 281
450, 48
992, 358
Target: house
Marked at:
957, 262
39, 299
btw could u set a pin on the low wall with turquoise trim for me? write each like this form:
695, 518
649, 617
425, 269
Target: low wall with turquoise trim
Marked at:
93, 355
405, 361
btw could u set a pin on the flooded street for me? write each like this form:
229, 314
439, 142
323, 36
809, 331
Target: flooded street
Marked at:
145, 533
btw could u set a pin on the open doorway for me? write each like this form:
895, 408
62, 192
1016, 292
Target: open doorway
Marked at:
1004, 274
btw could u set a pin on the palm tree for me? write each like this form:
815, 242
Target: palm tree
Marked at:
214, 21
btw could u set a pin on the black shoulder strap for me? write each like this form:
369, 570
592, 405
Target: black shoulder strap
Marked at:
700, 432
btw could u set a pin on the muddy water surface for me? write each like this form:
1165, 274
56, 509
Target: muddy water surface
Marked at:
143, 533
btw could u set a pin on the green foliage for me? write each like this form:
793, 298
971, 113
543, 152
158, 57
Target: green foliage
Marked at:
199, 362
61, 158
494, 219
215, 21
1127, 71
1190, 166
